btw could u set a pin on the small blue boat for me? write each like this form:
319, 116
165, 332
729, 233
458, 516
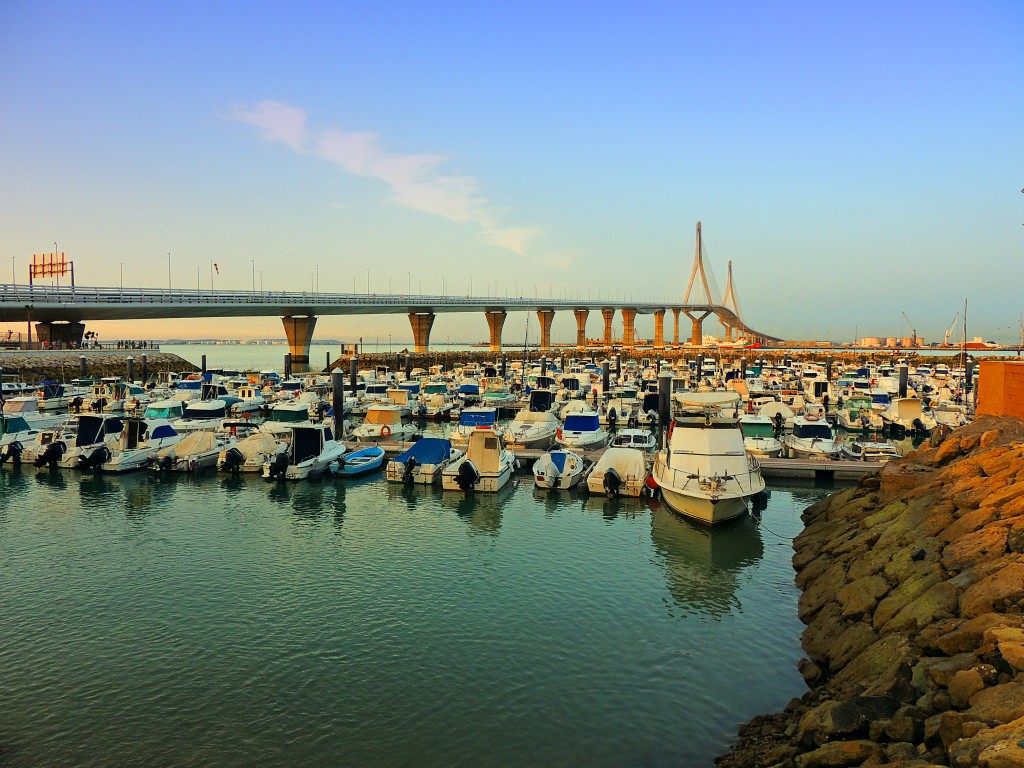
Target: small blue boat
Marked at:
359, 462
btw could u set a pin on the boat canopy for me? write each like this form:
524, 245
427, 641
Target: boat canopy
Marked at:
485, 451
582, 422
307, 443
702, 400
469, 388
205, 411
763, 427
541, 400
281, 413
428, 450
11, 424
558, 459
628, 462
165, 409
813, 430
437, 388
412, 387
478, 417
387, 414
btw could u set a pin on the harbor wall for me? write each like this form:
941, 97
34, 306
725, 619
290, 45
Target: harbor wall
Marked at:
1001, 388
912, 590
64, 366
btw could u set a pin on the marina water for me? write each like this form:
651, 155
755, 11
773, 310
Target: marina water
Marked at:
218, 620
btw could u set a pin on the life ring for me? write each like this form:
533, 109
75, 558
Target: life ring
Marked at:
385, 431
812, 417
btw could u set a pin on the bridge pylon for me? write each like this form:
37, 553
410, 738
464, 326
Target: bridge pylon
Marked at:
706, 291
299, 332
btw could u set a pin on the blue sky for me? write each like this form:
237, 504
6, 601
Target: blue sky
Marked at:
854, 161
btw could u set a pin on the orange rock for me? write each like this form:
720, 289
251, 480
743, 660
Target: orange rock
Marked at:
987, 544
990, 594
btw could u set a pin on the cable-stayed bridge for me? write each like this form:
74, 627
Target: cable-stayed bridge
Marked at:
60, 312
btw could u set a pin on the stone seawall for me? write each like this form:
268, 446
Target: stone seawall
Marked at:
64, 366
912, 589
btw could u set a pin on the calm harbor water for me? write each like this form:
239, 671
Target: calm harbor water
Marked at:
229, 621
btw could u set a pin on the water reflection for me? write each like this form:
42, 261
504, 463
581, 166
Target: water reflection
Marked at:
703, 565
14, 485
482, 511
611, 508
53, 479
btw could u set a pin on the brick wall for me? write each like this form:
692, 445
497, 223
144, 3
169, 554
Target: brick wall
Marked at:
1001, 388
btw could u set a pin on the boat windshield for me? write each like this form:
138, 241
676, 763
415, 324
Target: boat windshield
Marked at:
810, 431
580, 422
757, 429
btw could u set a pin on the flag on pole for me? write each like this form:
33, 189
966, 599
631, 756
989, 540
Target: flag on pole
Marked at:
216, 268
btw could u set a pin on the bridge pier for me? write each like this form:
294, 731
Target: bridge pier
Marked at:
659, 329
697, 334
545, 316
495, 322
675, 326
421, 323
628, 316
728, 331
299, 332
608, 314
64, 334
581, 327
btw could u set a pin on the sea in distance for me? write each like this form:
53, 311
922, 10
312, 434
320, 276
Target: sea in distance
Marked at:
231, 621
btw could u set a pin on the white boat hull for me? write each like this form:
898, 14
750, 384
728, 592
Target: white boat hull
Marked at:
704, 508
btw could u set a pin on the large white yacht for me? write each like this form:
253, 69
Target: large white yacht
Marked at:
705, 472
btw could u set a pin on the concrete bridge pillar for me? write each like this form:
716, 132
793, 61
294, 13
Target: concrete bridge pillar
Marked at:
728, 331
659, 329
545, 316
495, 322
581, 327
628, 316
299, 332
421, 323
608, 314
675, 326
697, 335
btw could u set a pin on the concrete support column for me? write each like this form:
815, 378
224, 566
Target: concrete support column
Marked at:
545, 316
659, 329
697, 334
608, 315
421, 323
628, 316
581, 327
299, 332
675, 327
728, 331
495, 322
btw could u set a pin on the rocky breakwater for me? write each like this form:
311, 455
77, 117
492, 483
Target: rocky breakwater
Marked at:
66, 365
912, 592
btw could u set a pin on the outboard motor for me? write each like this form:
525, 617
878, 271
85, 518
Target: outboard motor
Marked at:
164, 463
96, 459
232, 461
919, 427
11, 451
52, 455
631, 421
551, 475
279, 466
613, 418
467, 476
75, 406
99, 404
409, 473
612, 483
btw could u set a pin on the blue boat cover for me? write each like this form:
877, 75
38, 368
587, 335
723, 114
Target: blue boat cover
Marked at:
578, 422
427, 450
469, 389
558, 459
483, 418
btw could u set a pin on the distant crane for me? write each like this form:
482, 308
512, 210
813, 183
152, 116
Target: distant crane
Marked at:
913, 330
952, 326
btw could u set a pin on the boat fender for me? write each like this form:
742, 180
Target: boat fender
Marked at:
558, 434
385, 431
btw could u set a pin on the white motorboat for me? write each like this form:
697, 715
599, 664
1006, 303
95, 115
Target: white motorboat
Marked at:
54, 396
87, 432
250, 453
171, 409
619, 472
559, 469
811, 438
950, 414
310, 451
857, 415
759, 436
879, 451
705, 472
423, 462
196, 451
906, 414
26, 407
487, 466
641, 439
536, 425
135, 447
582, 431
47, 448
383, 422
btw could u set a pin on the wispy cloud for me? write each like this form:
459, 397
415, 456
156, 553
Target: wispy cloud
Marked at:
417, 181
